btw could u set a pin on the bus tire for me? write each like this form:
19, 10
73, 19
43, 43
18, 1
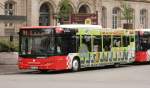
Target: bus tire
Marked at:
117, 65
75, 65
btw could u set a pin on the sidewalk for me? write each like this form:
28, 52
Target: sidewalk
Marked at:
8, 63
8, 69
12, 69
8, 58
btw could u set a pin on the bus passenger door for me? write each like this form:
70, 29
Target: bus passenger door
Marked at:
84, 50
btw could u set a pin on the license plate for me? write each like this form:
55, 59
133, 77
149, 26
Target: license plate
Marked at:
34, 68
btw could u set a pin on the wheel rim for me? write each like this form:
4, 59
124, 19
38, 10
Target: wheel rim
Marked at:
75, 65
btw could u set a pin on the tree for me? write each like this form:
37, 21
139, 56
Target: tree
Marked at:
127, 13
64, 10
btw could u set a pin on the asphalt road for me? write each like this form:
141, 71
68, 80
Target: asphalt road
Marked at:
123, 77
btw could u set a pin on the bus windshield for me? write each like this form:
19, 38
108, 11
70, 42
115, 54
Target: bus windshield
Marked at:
37, 45
37, 42
46, 42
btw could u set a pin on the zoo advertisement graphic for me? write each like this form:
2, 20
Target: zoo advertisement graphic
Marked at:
74, 47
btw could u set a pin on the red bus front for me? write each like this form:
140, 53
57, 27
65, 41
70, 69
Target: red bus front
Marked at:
44, 48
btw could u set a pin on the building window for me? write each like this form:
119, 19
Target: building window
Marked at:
116, 18
9, 25
104, 17
84, 9
9, 8
143, 18
44, 19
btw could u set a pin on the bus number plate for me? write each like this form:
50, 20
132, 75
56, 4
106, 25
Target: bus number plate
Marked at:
34, 68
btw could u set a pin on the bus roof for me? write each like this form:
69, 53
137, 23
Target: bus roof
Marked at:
80, 26
37, 27
143, 30
86, 26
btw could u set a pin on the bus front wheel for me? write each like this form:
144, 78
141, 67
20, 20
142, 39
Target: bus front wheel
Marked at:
75, 65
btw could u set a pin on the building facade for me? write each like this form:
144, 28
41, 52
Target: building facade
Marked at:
43, 12
12, 16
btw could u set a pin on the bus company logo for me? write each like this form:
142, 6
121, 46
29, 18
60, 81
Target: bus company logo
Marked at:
33, 60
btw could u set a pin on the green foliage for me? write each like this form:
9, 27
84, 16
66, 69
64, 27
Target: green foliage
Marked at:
7, 46
64, 10
127, 12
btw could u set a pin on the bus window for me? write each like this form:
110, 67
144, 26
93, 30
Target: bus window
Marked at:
86, 39
144, 44
132, 39
117, 41
142, 41
106, 43
125, 41
59, 44
66, 43
74, 43
24, 45
137, 42
97, 45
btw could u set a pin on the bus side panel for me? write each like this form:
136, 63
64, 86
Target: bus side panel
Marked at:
141, 56
61, 63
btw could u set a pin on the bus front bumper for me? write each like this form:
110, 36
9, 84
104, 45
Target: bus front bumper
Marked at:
43, 64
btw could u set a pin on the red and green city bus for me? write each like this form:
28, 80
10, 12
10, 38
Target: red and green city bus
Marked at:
74, 46
142, 45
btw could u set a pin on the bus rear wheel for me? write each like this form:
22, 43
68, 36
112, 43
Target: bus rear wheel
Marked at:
75, 65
